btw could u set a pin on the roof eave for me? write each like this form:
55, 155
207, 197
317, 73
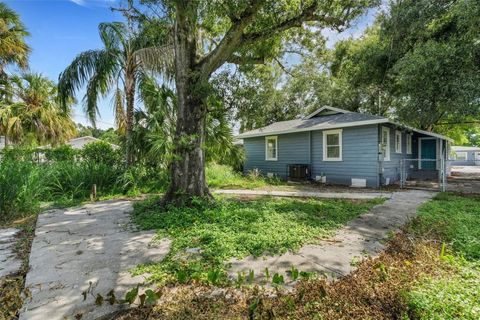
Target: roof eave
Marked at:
335, 126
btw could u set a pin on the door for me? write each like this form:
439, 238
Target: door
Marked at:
428, 150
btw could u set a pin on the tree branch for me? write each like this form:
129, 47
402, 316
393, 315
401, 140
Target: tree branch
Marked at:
230, 41
245, 60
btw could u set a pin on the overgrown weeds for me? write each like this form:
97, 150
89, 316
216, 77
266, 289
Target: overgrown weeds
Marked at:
11, 286
427, 272
205, 236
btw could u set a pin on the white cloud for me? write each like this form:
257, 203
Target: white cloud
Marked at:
89, 3
79, 2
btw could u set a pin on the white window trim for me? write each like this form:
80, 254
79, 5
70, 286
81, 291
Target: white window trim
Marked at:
387, 147
398, 134
409, 143
461, 153
266, 148
327, 132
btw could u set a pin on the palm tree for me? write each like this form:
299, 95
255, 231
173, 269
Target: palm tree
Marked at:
117, 67
13, 49
35, 115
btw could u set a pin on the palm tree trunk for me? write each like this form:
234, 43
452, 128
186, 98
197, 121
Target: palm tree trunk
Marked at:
130, 102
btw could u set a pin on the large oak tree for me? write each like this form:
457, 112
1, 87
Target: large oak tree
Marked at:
208, 34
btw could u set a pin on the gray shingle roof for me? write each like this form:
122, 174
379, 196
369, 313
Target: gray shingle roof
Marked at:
317, 123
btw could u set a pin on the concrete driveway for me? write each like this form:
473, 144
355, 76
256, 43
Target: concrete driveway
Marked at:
74, 247
464, 179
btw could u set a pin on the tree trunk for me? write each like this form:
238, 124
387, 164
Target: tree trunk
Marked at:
187, 171
130, 101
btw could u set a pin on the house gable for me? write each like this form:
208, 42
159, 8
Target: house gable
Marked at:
325, 111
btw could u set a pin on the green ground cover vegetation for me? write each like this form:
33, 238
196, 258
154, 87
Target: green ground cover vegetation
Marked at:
453, 220
231, 228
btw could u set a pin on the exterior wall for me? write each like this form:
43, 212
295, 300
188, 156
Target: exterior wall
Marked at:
293, 148
391, 169
469, 162
359, 155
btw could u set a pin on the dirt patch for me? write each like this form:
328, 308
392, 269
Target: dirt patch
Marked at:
11, 286
373, 291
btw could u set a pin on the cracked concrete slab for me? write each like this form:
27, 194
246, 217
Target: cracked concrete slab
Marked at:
337, 256
9, 263
74, 247
307, 194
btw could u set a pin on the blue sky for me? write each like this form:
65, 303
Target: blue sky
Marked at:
61, 29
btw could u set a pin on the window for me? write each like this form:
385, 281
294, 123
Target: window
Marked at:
271, 148
398, 141
409, 143
332, 145
385, 143
462, 156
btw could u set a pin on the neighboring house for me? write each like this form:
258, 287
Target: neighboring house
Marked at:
79, 143
465, 156
342, 147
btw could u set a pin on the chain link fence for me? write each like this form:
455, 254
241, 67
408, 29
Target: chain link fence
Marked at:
424, 173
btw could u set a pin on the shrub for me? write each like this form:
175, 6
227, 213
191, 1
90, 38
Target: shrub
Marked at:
64, 152
100, 152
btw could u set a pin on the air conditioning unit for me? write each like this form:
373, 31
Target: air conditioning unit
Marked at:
298, 171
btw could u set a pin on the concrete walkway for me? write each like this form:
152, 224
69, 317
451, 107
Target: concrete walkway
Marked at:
9, 263
73, 247
307, 194
337, 256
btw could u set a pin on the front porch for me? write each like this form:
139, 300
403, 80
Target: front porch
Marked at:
427, 166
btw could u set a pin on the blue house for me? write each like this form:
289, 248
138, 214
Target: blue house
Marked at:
337, 146
465, 156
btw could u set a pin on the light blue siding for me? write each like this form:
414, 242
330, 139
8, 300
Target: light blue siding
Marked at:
359, 158
391, 169
292, 149
359, 155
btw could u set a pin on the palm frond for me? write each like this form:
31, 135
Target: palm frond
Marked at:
157, 59
114, 35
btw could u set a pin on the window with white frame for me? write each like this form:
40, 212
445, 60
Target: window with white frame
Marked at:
398, 141
462, 156
385, 143
332, 145
409, 143
271, 148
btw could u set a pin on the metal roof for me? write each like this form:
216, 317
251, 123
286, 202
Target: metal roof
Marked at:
463, 148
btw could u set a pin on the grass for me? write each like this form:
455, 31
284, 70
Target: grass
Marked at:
235, 229
453, 296
224, 177
453, 220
